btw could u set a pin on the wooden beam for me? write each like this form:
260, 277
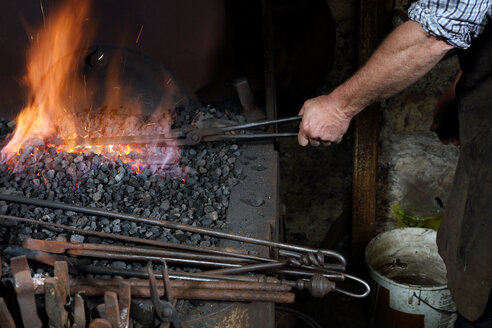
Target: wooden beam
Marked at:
366, 134
268, 55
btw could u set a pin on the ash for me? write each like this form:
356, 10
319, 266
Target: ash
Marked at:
193, 191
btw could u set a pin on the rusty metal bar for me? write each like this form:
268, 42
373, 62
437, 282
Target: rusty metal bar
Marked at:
55, 297
79, 320
231, 285
204, 276
60, 247
34, 255
24, 290
112, 308
61, 273
97, 287
75, 266
185, 284
212, 250
5, 317
125, 295
169, 225
182, 284
125, 253
235, 295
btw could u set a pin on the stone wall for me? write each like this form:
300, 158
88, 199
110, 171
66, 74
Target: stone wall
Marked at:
409, 151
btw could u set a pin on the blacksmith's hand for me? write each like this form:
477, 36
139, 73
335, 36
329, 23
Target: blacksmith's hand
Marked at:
323, 122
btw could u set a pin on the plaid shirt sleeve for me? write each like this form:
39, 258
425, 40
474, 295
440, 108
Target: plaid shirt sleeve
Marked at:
457, 21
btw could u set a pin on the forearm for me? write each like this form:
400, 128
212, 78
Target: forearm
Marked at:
406, 55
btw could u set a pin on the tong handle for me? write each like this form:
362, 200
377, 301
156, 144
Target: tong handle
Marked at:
260, 123
367, 288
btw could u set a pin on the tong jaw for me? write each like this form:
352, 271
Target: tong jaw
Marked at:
164, 309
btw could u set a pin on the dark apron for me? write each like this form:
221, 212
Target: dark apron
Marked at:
465, 236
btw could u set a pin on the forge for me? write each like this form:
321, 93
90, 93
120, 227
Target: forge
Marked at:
97, 201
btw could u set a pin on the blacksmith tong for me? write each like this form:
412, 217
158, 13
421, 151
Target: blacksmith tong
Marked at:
165, 309
192, 136
188, 136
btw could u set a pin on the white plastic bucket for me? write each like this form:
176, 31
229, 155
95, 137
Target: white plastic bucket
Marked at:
410, 280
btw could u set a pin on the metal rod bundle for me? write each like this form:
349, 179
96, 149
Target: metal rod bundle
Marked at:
177, 226
202, 290
295, 261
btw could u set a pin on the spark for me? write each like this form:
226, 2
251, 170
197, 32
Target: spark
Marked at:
140, 32
42, 11
179, 101
169, 81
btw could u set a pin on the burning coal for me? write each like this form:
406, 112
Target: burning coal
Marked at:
76, 91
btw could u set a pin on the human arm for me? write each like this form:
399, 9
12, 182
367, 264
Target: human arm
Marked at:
406, 55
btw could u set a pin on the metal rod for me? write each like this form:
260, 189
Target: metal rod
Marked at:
169, 225
97, 287
34, 255
241, 285
227, 268
198, 276
117, 140
144, 258
168, 138
258, 124
136, 240
250, 136
24, 290
248, 268
5, 316
59, 247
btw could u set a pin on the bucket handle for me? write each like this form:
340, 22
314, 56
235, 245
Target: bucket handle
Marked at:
362, 282
442, 311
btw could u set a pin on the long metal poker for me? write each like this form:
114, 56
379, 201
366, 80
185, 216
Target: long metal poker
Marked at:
171, 225
151, 242
184, 136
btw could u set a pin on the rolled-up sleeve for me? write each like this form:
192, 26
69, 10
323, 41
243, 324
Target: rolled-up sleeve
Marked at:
459, 22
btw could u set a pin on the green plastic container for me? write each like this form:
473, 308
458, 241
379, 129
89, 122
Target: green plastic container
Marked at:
406, 220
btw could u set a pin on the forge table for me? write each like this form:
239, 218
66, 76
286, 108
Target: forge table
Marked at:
254, 211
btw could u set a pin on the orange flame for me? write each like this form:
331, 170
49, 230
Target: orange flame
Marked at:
50, 63
55, 89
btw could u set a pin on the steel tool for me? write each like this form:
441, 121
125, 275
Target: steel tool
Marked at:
187, 135
140, 288
165, 309
24, 289
73, 248
5, 316
299, 251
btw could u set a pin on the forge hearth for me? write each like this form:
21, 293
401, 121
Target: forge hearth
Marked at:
219, 185
78, 90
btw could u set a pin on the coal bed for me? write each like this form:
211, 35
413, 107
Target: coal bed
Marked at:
197, 189
194, 191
